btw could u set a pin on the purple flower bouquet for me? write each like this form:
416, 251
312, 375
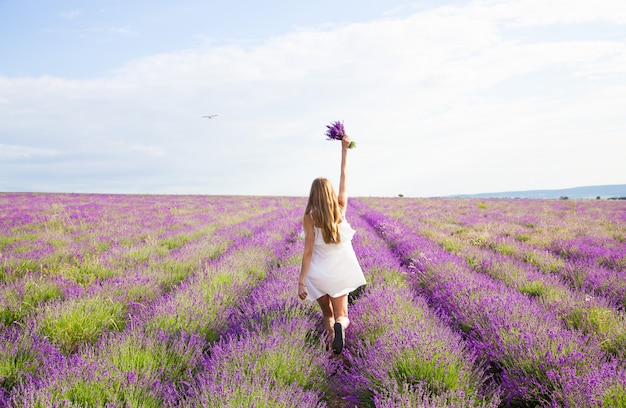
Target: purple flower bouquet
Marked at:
336, 131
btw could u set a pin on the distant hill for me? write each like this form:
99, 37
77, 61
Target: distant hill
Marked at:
607, 191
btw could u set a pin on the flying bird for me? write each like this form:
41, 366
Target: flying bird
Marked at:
209, 116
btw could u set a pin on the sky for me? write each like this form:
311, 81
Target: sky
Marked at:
441, 97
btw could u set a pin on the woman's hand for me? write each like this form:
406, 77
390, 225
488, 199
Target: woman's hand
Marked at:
302, 293
345, 142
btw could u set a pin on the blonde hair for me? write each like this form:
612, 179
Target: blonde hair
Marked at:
324, 209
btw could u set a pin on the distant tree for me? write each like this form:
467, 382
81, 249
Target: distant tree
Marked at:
564, 198
400, 195
598, 197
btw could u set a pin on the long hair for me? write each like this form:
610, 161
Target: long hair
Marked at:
325, 210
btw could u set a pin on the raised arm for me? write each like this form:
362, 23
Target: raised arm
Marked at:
342, 196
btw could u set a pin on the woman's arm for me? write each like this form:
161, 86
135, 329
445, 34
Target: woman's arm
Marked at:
309, 237
342, 196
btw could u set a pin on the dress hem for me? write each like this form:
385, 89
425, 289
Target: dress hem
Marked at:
338, 294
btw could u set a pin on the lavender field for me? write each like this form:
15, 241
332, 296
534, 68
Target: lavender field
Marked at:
190, 301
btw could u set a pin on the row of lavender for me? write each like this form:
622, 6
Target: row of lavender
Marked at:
228, 331
141, 352
584, 242
512, 244
225, 336
400, 352
102, 288
86, 236
193, 347
532, 353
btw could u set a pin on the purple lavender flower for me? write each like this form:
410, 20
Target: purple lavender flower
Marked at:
336, 131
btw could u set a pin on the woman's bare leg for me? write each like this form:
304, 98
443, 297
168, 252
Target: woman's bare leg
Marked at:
340, 309
328, 317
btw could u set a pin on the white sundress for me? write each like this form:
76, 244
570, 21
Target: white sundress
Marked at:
334, 269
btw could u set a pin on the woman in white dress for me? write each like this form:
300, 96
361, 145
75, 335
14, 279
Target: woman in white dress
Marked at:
330, 269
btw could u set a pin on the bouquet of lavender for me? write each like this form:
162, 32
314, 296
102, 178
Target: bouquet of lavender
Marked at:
336, 131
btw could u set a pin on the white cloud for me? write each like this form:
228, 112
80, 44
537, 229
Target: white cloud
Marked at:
70, 14
8, 151
153, 151
530, 13
122, 31
435, 101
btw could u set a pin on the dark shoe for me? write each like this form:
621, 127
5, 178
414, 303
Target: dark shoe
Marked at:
338, 341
